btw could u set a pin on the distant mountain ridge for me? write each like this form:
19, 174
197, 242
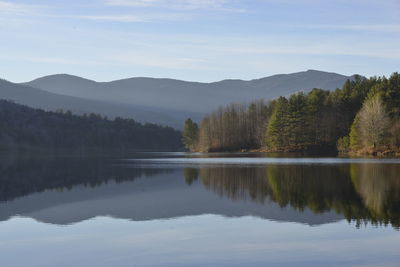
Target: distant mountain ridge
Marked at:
158, 100
190, 96
38, 98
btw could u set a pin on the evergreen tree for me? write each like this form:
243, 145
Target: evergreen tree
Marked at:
277, 135
22, 127
318, 119
190, 134
297, 126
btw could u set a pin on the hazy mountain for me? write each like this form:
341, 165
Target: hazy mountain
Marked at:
38, 98
162, 101
188, 96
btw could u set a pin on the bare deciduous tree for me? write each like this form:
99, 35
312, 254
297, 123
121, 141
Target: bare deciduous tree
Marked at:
374, 121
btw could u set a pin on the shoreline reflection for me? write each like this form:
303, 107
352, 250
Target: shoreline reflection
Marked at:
68, 190
363, 193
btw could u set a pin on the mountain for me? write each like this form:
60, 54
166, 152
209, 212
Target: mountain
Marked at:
37, 98
188, 96
161, 101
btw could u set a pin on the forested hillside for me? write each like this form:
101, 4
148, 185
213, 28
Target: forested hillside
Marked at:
361, 117
23, 127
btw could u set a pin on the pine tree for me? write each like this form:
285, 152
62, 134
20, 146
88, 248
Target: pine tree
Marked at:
277, 130
297, 124
190, 134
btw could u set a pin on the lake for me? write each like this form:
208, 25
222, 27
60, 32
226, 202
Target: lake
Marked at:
179, 209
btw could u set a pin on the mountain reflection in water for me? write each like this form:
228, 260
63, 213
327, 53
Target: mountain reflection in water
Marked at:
65, 190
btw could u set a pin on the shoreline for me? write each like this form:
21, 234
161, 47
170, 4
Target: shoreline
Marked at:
359, 153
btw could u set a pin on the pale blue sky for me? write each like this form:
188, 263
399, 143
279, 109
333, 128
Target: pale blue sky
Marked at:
199, 40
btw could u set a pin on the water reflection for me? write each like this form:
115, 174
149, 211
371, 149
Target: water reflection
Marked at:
361, 192
237, 183
379, 188
191, 175
24, 176
67, 190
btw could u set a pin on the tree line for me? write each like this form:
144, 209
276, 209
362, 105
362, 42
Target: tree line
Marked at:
230, 128
22, 127
376, 127
362, 116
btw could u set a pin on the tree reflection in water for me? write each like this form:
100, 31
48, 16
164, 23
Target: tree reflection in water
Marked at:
24, 176
363, 193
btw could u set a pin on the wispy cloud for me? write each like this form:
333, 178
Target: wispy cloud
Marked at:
372, 50
158, 10
355, 27
158, 61
132, 18
116, 18
18, 9
53, 60
135, 3
178, 4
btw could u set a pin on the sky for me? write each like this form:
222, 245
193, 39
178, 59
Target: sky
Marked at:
197, 40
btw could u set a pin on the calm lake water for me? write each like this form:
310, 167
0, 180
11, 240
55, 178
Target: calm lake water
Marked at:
176, 209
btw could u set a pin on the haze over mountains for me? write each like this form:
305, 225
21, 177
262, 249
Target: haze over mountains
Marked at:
163, 101
37, 98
